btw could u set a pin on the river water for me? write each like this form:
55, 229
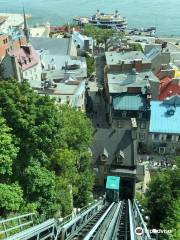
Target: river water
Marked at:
164, 14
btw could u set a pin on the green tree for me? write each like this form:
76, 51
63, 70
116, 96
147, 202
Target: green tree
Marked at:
172, 222
163, 189
136, 47
51, 142
11, 198
101, 35
90, 65
8, 150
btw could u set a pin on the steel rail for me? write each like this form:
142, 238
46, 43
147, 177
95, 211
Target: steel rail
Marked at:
111, 228
131, 223
90, 234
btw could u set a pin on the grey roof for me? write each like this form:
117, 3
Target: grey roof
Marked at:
114, 141
119, 82
151, 54
114, 58
135, 102
54, 45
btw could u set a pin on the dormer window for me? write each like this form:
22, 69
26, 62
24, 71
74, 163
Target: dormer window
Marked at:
104, 156
120, 157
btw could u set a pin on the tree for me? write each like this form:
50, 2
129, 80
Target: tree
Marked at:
136, 47
101, 35
11, 198
172, 222
162, 199
8, 150
90, 65
48, 162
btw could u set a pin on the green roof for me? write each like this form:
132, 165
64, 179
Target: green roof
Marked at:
127, 102
113, 182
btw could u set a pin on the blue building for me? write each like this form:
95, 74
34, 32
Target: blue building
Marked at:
165, 125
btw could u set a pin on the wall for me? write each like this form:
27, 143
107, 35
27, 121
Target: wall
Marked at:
33, 75
72, 48
4, 45
10, 68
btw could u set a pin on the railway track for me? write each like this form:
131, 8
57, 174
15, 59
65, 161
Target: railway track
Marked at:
124, 228
87, 227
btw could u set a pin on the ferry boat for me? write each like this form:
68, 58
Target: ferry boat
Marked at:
102, 20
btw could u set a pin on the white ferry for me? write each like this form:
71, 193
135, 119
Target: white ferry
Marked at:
102, 20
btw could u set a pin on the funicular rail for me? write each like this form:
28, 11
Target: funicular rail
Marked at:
98, 221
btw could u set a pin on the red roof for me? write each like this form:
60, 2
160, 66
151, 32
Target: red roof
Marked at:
168, 88
26, 56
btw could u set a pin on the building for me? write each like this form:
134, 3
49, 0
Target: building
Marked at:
40, 31
82, 42
65, 91
164, 125
11, 41
11, 20
4, 45
114, 153
58, 46
23, 63
59, 58
125, 61
157, 56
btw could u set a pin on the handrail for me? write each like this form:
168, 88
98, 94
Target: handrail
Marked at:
18, 217
143, 224
90, 234
17, 223
131, 224
111, 228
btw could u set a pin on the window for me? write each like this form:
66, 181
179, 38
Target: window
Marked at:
156, 136
118, 124
5, 41
169, 137
143, 125
142, 136
162, 150
140, 114
124, 113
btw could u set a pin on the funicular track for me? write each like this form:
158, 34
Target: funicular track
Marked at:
90, 224
124, 228
98, 221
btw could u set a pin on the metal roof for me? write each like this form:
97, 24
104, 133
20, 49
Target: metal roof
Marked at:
114, 58
135, 102
163, 122
118, 82
54, 45
114, 140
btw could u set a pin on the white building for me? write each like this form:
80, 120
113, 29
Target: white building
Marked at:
23, 63
82, 42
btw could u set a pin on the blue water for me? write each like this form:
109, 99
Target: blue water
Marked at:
164, 14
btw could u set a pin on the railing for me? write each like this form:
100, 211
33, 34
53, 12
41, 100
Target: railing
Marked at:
113, 225
99, 222
16, 224
46, 230
71, 227
131, 223
139, 223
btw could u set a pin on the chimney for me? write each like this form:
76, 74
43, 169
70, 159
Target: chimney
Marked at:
138, 64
